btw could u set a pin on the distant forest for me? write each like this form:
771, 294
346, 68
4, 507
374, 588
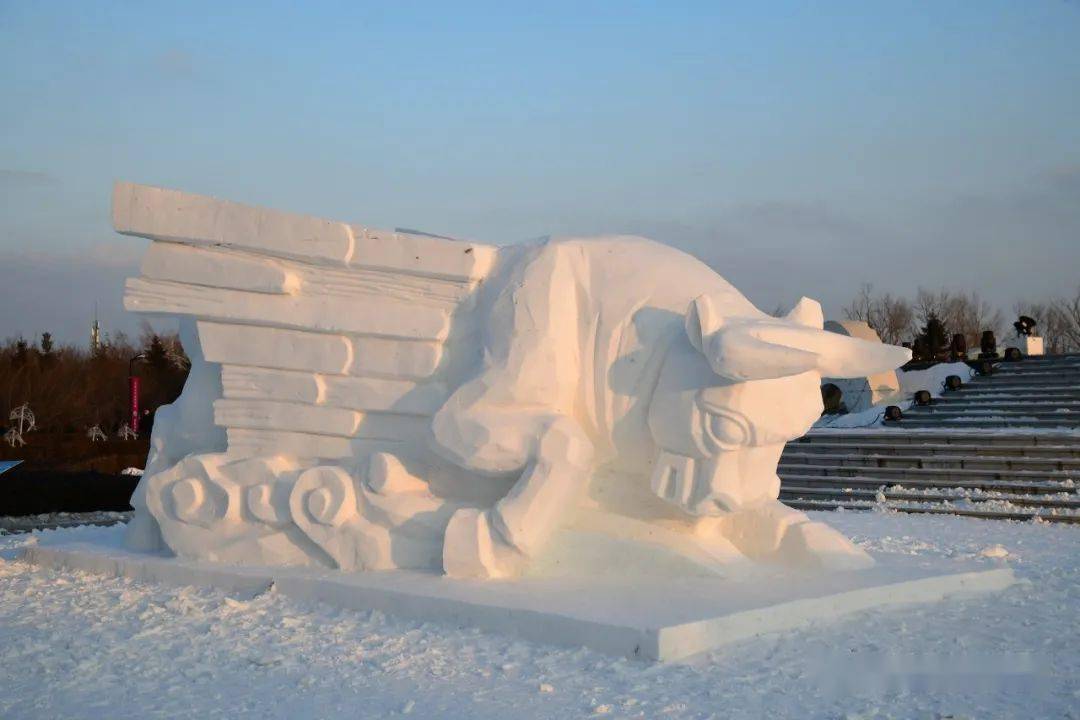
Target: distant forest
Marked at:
898, 320
71, 389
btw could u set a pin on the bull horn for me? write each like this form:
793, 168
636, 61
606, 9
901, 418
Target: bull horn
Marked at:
764, 349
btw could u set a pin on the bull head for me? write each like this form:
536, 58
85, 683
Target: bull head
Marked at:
728, 401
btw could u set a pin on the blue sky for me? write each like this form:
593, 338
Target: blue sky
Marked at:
799, 148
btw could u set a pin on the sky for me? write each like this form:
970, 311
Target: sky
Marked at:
798, 148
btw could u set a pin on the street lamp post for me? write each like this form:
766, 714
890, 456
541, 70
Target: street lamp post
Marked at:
133, 392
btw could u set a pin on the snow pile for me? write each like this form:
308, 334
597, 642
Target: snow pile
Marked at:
80, 645
911, 381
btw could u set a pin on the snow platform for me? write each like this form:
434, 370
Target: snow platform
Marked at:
650, 618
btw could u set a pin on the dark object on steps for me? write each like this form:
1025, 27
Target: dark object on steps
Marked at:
832, 398
958, 348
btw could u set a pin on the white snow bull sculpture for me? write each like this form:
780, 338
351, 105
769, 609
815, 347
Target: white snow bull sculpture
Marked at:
399, 400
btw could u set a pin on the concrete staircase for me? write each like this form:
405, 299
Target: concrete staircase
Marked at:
1004, 446
1039, 392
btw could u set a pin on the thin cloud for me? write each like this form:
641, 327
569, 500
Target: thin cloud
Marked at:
17, 179
58, 293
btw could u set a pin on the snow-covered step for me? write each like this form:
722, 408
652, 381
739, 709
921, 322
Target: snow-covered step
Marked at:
1068, 374
1052, 380
1018, 408
987, 423
1002, 462
972, 441
944, 475
869, 481
974, 393
1013, 408
1041, 361
1065, 419
893, 494
930, 450
942, 411
1038, 399
1029, 367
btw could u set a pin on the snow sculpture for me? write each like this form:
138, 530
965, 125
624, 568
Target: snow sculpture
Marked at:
401, 400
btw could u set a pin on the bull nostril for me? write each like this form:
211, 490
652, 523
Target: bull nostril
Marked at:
667, 484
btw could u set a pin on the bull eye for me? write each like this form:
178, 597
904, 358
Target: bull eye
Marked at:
726, 431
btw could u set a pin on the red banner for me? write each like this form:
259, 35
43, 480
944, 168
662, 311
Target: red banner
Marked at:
133, 397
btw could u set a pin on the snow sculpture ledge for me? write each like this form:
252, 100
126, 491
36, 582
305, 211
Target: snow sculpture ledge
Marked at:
363, 399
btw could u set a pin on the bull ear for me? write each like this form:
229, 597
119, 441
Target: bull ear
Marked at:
701, 320
807, 313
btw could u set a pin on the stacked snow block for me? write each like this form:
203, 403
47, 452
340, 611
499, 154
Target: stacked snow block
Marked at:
333, 339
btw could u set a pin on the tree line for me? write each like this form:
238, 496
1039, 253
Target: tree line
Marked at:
71, 389
899, 320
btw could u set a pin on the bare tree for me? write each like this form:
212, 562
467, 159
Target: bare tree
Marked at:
961, 313
1070, 311
891, 317
895, 319
862, 307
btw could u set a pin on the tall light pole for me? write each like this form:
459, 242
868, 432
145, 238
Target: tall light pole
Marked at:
133, 392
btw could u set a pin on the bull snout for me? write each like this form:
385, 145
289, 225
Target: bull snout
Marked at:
719, 484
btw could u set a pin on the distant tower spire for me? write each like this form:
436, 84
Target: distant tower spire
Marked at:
95, 333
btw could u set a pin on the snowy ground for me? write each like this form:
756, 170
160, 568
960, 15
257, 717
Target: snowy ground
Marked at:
81, 646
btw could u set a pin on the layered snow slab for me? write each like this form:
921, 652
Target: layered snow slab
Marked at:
640, 618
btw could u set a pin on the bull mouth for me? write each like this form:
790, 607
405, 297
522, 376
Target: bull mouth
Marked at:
719, 484
685, 482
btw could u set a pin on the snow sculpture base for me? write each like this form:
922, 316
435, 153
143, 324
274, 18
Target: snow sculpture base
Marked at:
626, 616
